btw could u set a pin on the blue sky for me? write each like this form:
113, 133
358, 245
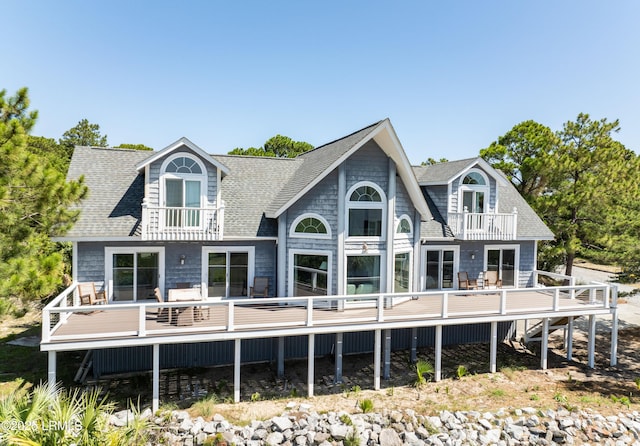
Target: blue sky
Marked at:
452, 76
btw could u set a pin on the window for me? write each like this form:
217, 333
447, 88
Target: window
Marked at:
474, 190
363, 274
402, 273
228, 271
404, 227
183, 191
365, 210
132, 274
503, 259
440, 267
311, 273
310, 226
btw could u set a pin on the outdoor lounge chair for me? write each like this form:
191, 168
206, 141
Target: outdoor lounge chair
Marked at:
89, 296
464, 283
163, 313
260, 287
491, 279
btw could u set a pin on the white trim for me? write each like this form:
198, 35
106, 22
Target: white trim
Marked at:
294, 224
179, 143
516, 266
109, 251
423, 265
312, 252
385, 136
474, 188
382, 205
251, 260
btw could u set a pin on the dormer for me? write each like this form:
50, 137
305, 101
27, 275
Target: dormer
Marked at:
467, 194
182, 199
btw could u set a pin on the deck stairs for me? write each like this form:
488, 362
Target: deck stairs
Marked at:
534, 333
85, 366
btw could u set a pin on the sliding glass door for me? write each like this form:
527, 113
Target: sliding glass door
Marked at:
228, 271
132, 274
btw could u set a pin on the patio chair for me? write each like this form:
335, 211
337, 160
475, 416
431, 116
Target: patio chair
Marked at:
464, 283
89, 296
491, 279
260, 287
163, 313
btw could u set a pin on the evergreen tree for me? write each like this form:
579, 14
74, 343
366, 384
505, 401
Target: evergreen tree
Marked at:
34, 205
83, 134
277, 146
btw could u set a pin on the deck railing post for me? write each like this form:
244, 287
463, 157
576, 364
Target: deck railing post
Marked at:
592, 295
230, 316
445, 305
309, 311
572, 283
556, 299
142, 320
503, 302
46, 325
380, 308
607, 290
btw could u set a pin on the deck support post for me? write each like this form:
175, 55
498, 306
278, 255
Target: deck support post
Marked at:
236, 370
614, 337
544, 347
592, 341
155, 380
338, 358
414, 344
280, 357
570, 338
387, 355
310, 364
376, 360
494, 347
438, 353
51, 369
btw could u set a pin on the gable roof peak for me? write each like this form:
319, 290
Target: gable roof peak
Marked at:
184, 141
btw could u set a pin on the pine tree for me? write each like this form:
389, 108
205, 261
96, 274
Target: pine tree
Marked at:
35, 201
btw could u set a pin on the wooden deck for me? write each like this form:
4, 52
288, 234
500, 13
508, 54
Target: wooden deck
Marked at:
147, 323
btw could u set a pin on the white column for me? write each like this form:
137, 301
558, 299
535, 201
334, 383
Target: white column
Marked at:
51, 368
494, 347
544, 348
614, 337
592, 341
310, 364
236, 371
338, 358
340, 260
438, 353
281, 277
376, 360
155, 380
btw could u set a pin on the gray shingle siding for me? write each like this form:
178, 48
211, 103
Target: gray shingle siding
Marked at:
369, 163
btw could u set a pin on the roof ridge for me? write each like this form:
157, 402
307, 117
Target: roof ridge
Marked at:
341, 138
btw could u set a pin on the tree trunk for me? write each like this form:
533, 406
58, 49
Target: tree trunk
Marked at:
569, 265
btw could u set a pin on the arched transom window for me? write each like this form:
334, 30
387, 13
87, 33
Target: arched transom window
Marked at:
404, 226
366, 205
310, 226
183, 164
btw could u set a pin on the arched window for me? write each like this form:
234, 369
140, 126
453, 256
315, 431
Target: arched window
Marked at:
474, 192
183, 184
366, 205
404, 227
310, 226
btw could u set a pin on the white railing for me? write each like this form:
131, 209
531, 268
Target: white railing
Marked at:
182, 223
284, 314
481, 226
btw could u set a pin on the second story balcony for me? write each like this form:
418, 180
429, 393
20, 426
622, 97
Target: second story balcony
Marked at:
182, 223
484, 226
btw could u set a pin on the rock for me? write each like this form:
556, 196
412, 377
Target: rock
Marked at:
275, 438
339, 431
389, 437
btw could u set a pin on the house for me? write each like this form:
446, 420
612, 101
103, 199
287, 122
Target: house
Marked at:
347, 227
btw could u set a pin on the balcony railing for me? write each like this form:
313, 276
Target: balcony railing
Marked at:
182, 223
481, 226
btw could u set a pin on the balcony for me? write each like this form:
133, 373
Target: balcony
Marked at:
182, 223
484, 226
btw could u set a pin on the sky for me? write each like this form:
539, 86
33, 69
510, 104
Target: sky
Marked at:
452, 76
